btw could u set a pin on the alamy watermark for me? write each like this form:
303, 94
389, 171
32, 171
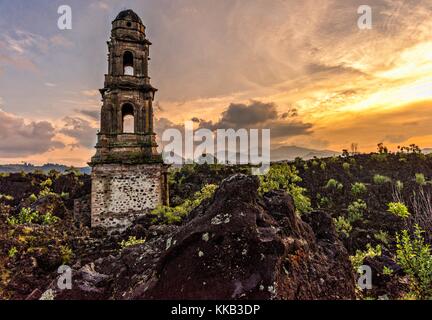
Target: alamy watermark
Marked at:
64, 22
365, 20
64, 281
364, 282
222, 146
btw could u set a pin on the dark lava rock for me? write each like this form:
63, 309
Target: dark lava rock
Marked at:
236, 246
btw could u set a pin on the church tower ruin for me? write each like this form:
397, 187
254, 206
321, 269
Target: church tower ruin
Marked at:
129, 177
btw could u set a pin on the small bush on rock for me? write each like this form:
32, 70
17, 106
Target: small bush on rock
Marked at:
382, 236
356, 210
399, 186
420, 179
132, 241
66, 254
379, 179
334, 184
387, 271
415, 258
32, 198
370, 252
398, 209
170, 215
12, 252
27, 216
6, 197
46, 184
343, 226
285, 177
358, 188
48, 218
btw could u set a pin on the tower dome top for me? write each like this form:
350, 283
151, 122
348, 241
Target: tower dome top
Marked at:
129, 15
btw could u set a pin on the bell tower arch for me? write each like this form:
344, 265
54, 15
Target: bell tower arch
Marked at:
129, 177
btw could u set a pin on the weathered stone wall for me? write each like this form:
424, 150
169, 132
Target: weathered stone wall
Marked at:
121, 193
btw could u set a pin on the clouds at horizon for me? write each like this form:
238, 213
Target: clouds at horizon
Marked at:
18, 138
259, 115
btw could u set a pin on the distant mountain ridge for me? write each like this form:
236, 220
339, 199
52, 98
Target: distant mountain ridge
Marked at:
27, 167
292, 152
278, 154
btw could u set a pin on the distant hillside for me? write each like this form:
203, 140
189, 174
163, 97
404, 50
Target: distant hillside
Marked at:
27, 167
292, 152
278, 154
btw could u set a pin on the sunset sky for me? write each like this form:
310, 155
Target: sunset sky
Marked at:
302, 68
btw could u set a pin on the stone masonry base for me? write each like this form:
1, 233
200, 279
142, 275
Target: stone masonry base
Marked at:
121, 193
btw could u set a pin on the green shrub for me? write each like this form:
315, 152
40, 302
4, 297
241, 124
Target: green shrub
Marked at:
379, 157
370, 252
132, 241
334, 159
48, 218
6, 197
54, 174
334, 184
420, 179
358, 188
324, 202
46, 184
47, 192
12, 252
343, 226
27, 216
379, 179
399, 186
415, 258
32, 198
356, 210
323, 166
12, 221
387, 271
74, 171
382, 236
346, 166
171, 215
66, 254
64, 196
398, 209
403, 159
285, 177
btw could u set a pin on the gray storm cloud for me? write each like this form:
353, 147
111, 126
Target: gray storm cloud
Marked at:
18, 138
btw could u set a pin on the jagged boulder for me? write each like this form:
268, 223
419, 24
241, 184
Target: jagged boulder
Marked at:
236, 246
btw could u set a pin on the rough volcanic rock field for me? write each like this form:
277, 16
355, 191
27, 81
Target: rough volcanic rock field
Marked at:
239, 243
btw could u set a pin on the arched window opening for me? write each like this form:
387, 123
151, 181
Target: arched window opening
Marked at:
128, 64
128, 118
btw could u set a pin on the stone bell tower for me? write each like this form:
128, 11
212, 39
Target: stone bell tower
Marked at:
129, 177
